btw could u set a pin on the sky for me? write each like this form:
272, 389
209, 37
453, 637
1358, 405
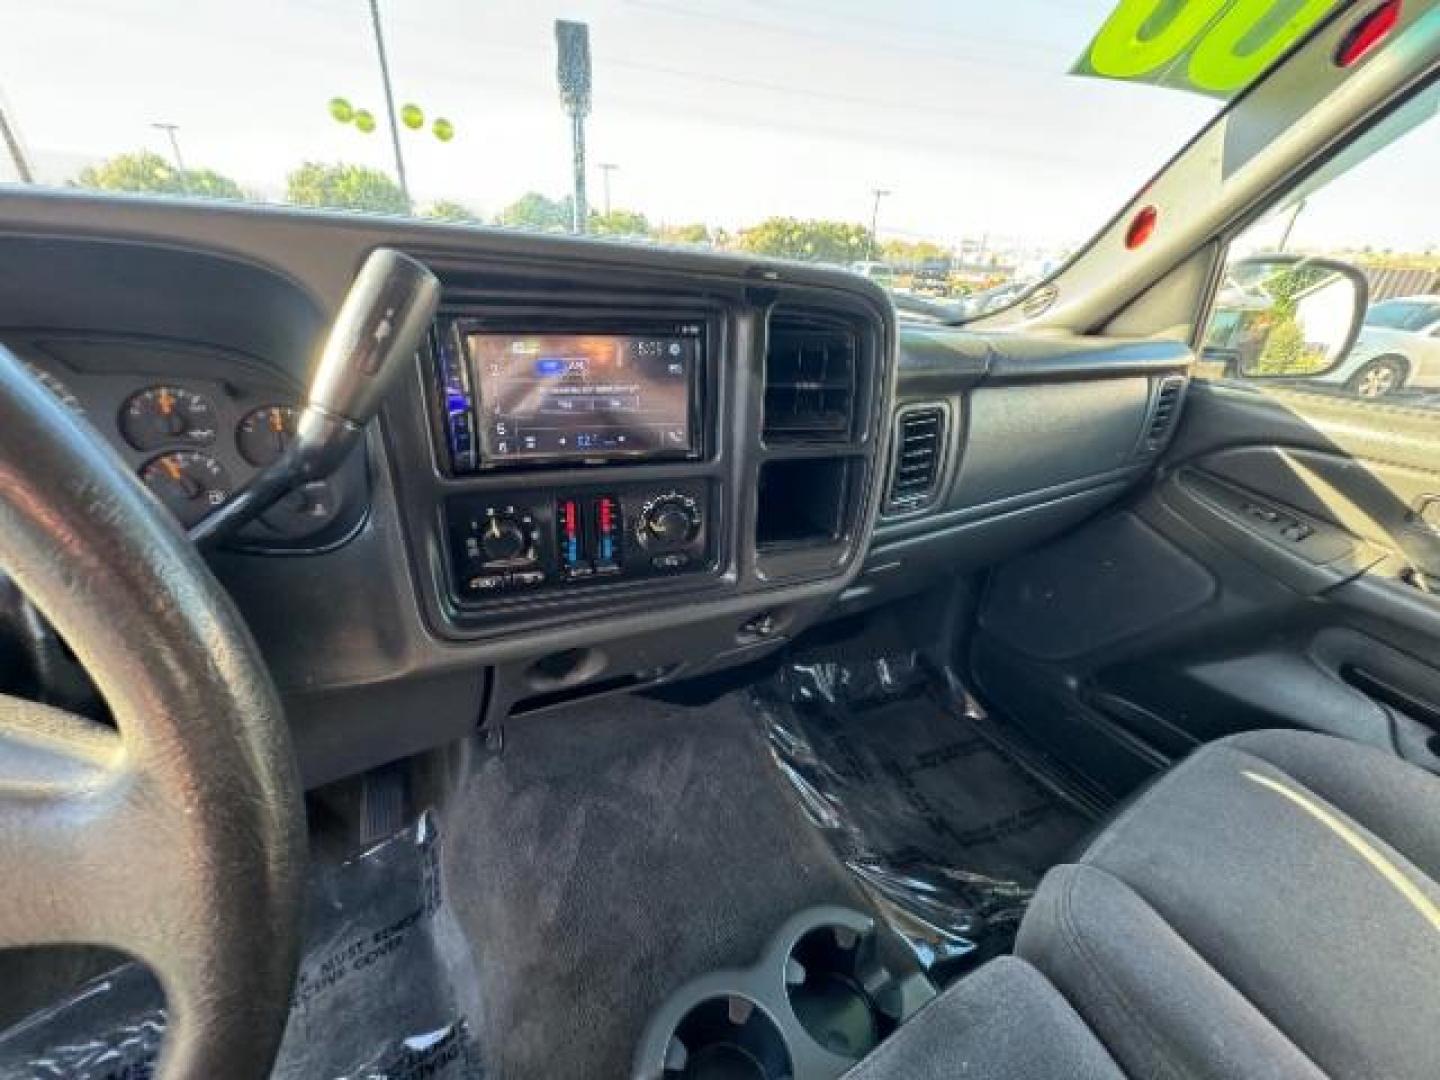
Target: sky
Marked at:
721, 111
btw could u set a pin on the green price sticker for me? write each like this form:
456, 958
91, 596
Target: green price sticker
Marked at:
364, 120
342, 110
1215, 47
413, 117
443, 129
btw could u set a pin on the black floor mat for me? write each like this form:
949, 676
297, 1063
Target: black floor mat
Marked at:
919, 796
616, 850
613, 852
379, 995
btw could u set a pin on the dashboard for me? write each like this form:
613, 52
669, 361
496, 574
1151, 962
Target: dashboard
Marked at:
611, 467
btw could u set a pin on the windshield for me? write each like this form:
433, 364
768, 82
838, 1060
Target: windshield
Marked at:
949, 150
1403, 314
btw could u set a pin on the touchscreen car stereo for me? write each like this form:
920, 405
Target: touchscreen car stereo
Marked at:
517, 396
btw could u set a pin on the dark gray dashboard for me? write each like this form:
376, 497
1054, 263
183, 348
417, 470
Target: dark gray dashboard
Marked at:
376, 644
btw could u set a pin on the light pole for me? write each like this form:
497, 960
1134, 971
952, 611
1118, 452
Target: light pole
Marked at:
572, 69
607, 169
170, 130
879, 194
11, 138
389, 100
1290, 225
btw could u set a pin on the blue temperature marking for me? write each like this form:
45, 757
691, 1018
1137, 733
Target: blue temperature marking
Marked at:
607, 548
548, 366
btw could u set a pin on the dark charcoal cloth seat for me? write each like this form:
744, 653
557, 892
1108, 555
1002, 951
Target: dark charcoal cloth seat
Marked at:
1269, 908
1005, 1022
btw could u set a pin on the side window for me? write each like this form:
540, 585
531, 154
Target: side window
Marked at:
1337, 291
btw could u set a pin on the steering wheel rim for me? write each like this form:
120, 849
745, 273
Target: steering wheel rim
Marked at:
178, 837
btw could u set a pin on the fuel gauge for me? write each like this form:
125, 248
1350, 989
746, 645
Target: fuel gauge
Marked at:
189, 483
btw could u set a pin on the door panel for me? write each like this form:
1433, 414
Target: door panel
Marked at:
1306, 515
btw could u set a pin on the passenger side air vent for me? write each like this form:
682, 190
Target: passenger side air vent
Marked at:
1163, 413
919, 442
810, 371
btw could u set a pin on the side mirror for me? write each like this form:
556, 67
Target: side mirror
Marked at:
1285, 317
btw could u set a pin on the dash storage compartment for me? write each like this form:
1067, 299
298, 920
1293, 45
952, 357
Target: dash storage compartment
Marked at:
817, 1001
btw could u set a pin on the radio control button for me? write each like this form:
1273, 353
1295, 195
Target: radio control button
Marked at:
674, 561
528, 577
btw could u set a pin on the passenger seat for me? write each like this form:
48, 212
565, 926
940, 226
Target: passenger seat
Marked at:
1269, 908
1005, 1022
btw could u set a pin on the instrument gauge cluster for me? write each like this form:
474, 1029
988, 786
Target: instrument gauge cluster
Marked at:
197, 426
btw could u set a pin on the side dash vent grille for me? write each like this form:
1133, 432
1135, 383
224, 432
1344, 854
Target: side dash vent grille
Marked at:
1164, 413
919, 441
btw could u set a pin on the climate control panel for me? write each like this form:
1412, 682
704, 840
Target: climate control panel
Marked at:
519, 542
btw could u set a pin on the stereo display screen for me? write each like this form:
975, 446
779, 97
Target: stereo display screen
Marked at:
558, 396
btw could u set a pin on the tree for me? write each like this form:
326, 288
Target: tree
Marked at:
535, 212
819, 241
695, 233
445, 210
620, 223
345, 187
913, 253
150, 173
1285, 350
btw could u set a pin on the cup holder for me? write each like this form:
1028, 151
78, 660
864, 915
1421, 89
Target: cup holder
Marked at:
826, 979
727, 1038
817, 1000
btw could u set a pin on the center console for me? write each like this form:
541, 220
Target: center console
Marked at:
544, 415
609, 479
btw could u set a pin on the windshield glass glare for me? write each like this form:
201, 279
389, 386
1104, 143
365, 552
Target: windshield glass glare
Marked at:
943, 150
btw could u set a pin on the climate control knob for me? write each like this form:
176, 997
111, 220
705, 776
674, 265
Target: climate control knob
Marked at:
668, 522
504, 540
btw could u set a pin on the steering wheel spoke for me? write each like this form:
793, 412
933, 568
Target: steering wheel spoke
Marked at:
68, 798
178, 835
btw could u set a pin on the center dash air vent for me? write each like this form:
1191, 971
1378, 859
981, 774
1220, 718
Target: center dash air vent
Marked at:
810, 368
1163, 413
919, 439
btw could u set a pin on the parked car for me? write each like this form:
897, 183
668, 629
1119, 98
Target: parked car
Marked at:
1398, 349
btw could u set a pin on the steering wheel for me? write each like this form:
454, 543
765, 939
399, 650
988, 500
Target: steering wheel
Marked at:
178, 836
